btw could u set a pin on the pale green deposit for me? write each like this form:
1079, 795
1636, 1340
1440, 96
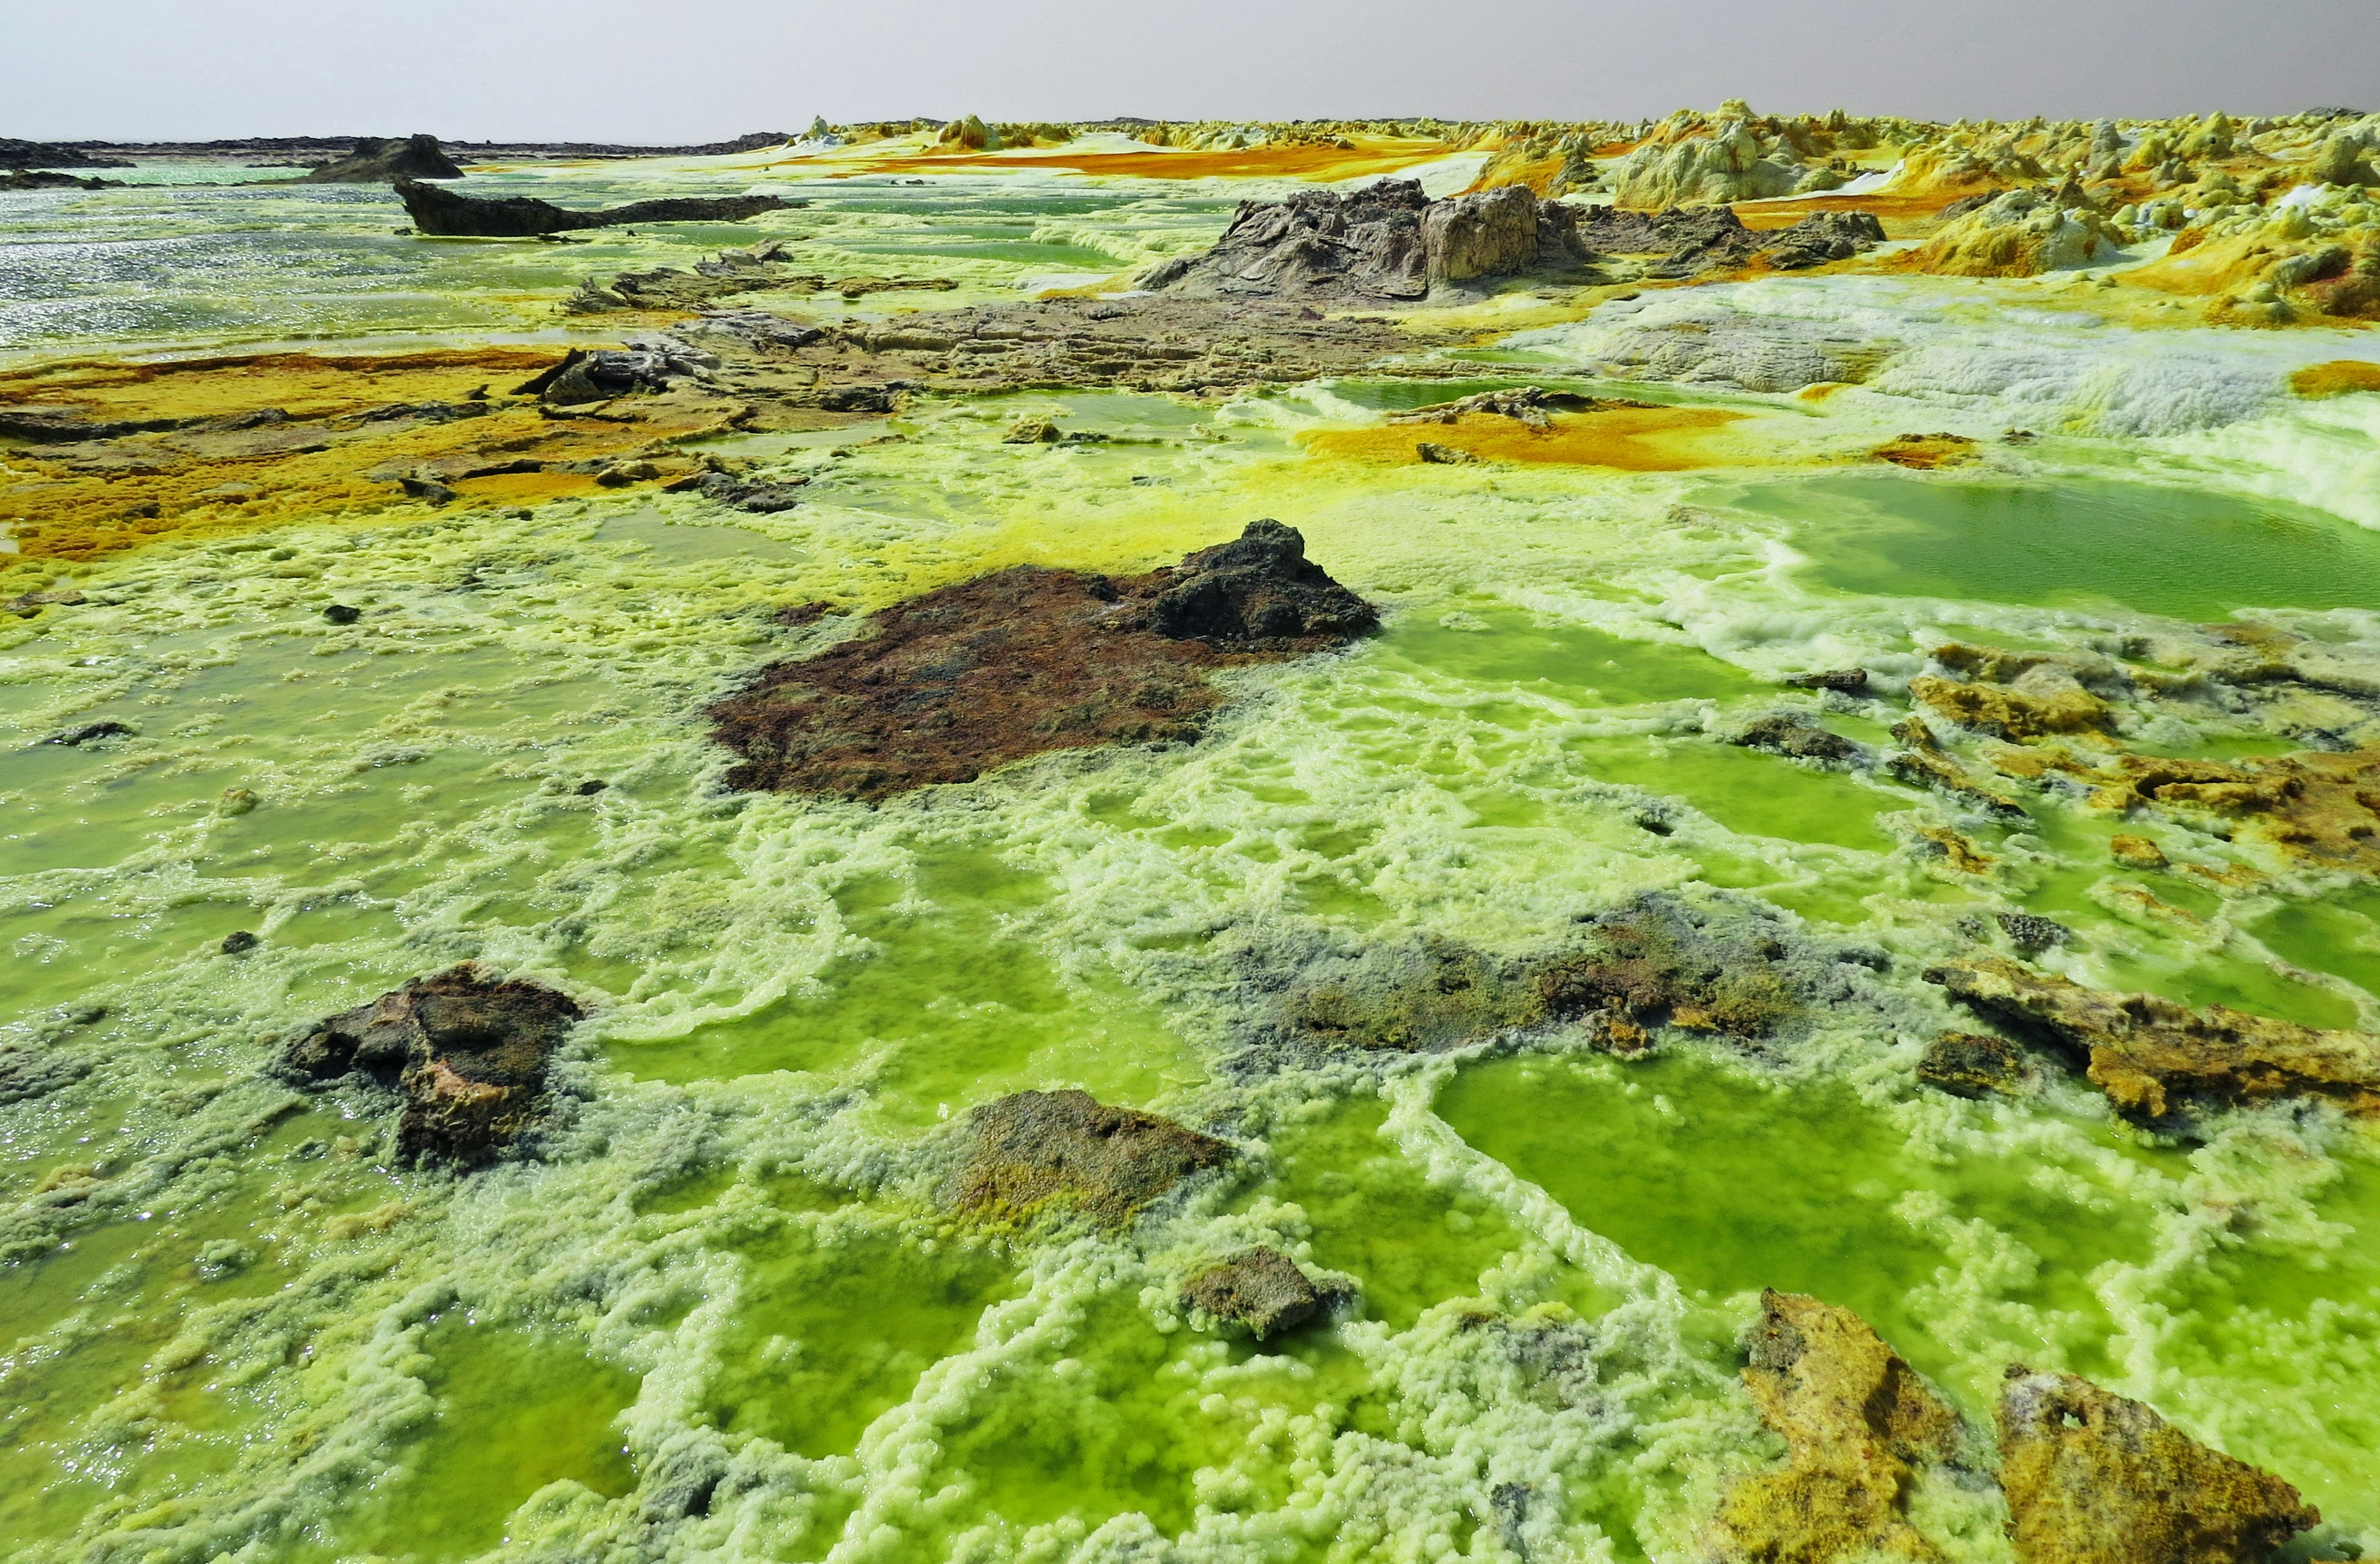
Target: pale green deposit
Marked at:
722, 1314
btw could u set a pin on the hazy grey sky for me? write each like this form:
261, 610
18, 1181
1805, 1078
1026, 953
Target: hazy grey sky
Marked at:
702, 69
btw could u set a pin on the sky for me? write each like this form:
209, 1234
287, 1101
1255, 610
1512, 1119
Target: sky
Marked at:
697, 70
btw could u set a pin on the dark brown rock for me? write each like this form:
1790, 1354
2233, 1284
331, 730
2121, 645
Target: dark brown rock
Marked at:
2156, 1060
448, 213
1789, 734
377, 161
1028, 661
2094, 1478
1849, 680
468, 1052
1044, 1151
1260, 1288
1970, 1064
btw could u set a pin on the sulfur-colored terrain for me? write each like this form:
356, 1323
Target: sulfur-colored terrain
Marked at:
1335, 841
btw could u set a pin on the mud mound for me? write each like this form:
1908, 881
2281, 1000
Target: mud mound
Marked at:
444, 214
468, 1054
1038, 1150
974, 676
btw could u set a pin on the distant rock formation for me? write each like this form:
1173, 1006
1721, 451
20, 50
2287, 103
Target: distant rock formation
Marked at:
1386, 242
1030, 660
446, 214
466, 1051
47, 181
2021, 234
44, 154
1729, 164
376, 161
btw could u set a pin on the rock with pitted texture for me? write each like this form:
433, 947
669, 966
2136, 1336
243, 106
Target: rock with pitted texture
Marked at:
1795, 736
448, 215
468, 1052
971, 676
1385, 242
1066, 1151
1858, 1423
1260, 1289
2156, 1060
1970, 1064
376, 161
2094, 1478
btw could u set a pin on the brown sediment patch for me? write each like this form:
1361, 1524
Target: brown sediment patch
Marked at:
1628, 439
2337, 378
1902, 216
1318, 161
1028, 661
1037, 1152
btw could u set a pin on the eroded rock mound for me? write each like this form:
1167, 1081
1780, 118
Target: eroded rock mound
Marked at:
1031, 660
2323, 808
448, 215
2021, 234
2156, 1059
1261, 1290
1384, 243
377, 162
1066, 1150
1857, 1423
2093, 1478
469, 1052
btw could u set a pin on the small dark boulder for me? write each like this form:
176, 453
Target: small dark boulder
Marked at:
2029, 933
466, 1051
1970, 1064
1261, 1288
238, 940
1259, 587
342, 613
1041, 1150
1851, 681
378, 160
91, 733
1798, 738
757, 496
445, 214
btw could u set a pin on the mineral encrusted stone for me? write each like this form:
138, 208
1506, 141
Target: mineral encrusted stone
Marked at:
1924, 763
468, 1053
1798, 738
1260, 1288
2093, 1478
1066, 1150
2156, 1059
1972, 1064
971, 676
1857, 1421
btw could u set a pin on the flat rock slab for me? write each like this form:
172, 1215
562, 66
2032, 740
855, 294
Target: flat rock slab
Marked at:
466, 1051
949, 685
1038, 1151
1261, 1290
448, 215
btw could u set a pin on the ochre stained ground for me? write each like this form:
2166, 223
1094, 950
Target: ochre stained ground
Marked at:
1628, 439
2337, 378
1904, 216
353, 426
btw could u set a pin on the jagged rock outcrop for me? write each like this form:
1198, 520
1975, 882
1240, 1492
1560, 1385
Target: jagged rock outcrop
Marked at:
1696, 239
1028, 661
1924, 763
378, 161
48, 181
1858, 1424
1796, 737
2156, 1060
466, 1051
2094, 1478
1261, 1291
1384, 243
1066, 1151
15, 154
448, 215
